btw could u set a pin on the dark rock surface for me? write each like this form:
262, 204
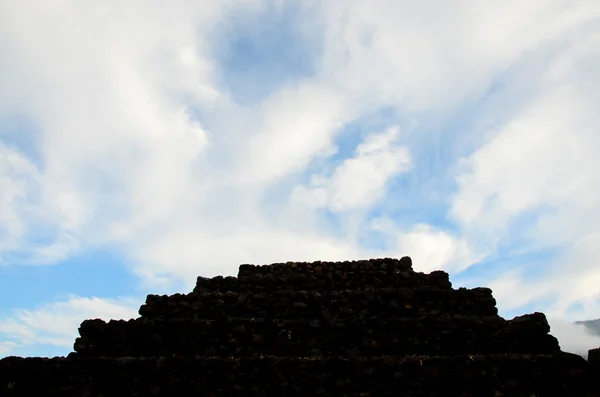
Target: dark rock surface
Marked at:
359, 302
441, 335
361, 328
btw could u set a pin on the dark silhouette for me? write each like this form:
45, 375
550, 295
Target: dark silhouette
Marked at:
361, 328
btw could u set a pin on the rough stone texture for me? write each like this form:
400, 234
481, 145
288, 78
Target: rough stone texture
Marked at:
359, 302
594, 358
490, 375
441, 335
362, 328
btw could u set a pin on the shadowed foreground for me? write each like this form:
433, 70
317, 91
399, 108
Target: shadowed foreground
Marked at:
361, 328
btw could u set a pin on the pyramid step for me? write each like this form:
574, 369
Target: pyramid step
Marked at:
381, 264
362, 303
560, 374
322, 280
443, 335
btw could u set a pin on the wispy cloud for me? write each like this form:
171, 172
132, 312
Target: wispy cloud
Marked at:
359, 181
56, 323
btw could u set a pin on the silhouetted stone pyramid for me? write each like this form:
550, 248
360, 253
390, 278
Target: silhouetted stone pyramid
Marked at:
361, 328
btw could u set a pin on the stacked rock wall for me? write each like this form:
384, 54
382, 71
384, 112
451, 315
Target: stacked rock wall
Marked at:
361, 328
239, 336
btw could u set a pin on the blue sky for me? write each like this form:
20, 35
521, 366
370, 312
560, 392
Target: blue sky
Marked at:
144, 144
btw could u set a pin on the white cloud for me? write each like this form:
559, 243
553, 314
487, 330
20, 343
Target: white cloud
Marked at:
193, 252
6, 347
542, 165
57, 323
573, 338
298, 124
517, 171
433, 250
14, 169
436, 54
510, 289
359, 181
429, 248
571, 279
29, 209
110, 91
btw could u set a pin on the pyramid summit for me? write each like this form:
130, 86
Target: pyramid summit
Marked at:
355, 328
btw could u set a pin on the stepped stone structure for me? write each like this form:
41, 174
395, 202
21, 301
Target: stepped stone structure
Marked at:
360, 328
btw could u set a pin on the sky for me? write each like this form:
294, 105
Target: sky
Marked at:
145, 143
